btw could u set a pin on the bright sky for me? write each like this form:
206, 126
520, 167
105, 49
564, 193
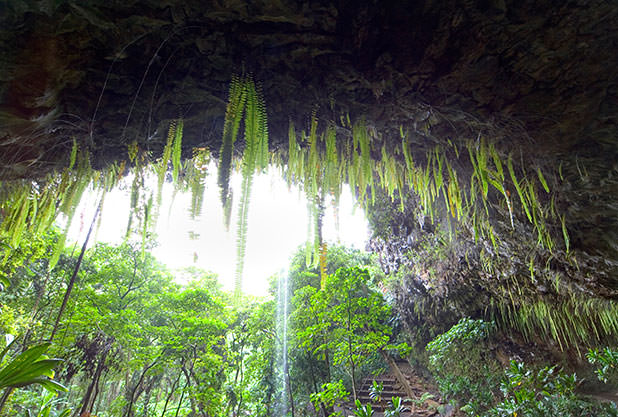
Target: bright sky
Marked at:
277, 225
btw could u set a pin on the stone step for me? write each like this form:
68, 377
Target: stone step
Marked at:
381, 378
393, 388
384, 392
378, 411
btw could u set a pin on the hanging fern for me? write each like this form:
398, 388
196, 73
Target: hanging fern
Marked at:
572, 322
233, 117
195, 176
31, 207
254, 158
73, 157
177, 150
70, 200
453, 186
161, 168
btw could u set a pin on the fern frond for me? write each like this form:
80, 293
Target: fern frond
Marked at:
161, 168
262, 131
233, 117
332, 181
195, 177
293, 154
311, 215
73, 156
254, 157
177, 150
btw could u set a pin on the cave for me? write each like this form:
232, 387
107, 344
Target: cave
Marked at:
515, 102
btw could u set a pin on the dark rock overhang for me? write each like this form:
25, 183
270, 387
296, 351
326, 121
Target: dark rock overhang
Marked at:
537, 78
112, 72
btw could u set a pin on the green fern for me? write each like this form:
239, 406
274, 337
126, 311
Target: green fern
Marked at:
136, 188
31, 207
254, 157
324, 162
572, 323
293, 155
73, 157
177, 150
196, 172
161, 168
231, 125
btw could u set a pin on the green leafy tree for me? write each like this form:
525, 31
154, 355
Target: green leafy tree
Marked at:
345, 319
107, 321
311, 359
259, 386
358, 318
196, 325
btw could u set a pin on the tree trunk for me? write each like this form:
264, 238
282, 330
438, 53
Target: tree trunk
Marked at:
67, 293
191, 397
89, 398
353, 375
97, 390
327, 360
169, 397
5, 396
147, 395
100, 398
398, 374
239, 374
352, 365
289, 384
182, 395
309, 360
35, 311
133, 397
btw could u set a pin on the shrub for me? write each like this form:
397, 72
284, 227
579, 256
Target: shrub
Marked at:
546, 392
332, 393
606, 361
465, 371
396, 408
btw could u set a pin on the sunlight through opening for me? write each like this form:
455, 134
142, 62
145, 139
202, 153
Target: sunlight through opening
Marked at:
277, 226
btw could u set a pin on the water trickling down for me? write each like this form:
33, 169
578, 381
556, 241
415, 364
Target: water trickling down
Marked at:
282, 345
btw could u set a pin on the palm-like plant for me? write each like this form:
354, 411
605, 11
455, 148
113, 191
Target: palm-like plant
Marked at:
375, 391
29, 367
47, 404
363, 411
396, 408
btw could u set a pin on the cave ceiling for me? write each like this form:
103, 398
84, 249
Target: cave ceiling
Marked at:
537, 78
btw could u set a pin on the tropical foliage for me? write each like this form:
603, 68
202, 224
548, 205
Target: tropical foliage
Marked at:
468, 372
544, 392
462, 366
606, 361
132, 341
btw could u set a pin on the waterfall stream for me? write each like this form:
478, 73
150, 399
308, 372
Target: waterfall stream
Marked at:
282, 345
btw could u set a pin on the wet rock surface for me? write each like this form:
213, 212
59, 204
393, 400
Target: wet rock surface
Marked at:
113, 72
537, 78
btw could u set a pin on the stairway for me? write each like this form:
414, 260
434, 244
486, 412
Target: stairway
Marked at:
392, 388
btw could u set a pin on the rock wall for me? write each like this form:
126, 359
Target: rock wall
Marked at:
112, 72
537, 78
